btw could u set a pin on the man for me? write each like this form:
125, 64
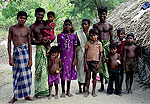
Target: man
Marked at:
105, 36
41, 73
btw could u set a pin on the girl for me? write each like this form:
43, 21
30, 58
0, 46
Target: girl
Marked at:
83, 37
67, 41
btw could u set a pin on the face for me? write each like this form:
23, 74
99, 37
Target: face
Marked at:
85, 25
130, 39
113, 50
39, 16
50, 18
67, 26
93, 37
22, 20
102, 16
54, 54
120, 35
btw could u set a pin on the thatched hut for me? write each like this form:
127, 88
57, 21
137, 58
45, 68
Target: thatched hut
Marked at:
135, 20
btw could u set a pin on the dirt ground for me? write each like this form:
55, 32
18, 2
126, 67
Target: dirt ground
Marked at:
137, 97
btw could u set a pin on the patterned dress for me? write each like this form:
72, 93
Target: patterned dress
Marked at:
66, 43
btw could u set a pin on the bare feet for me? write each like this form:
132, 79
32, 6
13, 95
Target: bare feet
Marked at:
56, 96
12, 100
93, 94
69, 94
28, 98
62, 95
50, 97
86, 94
35, 97
130, 91
79, 92
101, 89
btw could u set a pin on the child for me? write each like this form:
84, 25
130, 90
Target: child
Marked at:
121, 43
48, 31
105, 35
22, 58
83, 37
113, 61
54, 64
93, 56
67, 41
130, 61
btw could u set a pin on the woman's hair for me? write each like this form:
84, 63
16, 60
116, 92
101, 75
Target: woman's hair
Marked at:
72, 29
89, 22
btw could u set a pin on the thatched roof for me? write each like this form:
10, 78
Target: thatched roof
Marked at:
135, 20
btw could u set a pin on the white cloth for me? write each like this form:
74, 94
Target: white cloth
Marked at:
80, 56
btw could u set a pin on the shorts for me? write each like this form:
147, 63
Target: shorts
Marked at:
131, 64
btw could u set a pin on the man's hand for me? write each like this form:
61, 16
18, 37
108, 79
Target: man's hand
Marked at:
97, 67
11, 62
30, 63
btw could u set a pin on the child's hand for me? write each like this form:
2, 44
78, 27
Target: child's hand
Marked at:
86, 67
30, 63
106, 60
11, 62
124, 68
97, 67
118, 61
74, 62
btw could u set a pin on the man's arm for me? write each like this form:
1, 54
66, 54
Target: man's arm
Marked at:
11, 62
30, 48
111, 33
100, 55
136, 53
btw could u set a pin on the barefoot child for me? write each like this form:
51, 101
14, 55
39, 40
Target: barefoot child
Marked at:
93, 56
83, 37
130, 61
48, 31
121, 44
67, 41
21, 61
54, 65
105, 35
113, 61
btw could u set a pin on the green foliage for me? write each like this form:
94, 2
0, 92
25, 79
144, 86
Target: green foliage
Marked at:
76, 10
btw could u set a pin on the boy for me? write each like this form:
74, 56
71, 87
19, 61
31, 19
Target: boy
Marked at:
21, 61
48, 31
93, 56
54, 64
105, 35
121, 43
113, 61
130, 61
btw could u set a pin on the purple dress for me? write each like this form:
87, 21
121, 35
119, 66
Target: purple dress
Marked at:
66, 43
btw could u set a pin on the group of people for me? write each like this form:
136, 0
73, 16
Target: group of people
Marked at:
82, 53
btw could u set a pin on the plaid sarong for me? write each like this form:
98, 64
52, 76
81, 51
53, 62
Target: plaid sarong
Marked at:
22, 75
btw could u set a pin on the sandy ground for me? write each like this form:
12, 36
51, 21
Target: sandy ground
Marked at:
137, 97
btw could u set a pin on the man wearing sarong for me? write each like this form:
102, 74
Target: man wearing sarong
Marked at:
41, 72
21, 61
105, 36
